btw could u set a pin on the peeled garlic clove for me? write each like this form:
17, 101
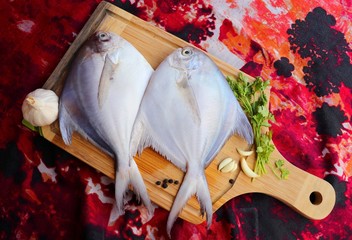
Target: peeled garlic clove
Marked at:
224, 162
247, 170
227, 165
232, 166
40, 107
244, 153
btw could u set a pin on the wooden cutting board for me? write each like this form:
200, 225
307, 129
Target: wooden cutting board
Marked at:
307, 194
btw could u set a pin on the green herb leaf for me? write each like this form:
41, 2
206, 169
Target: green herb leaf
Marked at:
31, 127
284, 173
253, 100
28, 125
279, 163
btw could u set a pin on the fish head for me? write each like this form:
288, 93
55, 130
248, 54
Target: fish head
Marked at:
186, 58
103, 41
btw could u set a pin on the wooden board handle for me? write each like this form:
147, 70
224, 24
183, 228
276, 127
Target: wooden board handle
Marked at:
309, 195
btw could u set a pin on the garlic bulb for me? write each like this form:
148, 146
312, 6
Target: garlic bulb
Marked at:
40, 107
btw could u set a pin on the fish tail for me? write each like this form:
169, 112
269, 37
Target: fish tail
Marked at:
123, 178
204, 200
191, 185
121, 187
139, 188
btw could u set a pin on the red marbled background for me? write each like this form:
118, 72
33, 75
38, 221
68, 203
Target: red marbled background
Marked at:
304, 47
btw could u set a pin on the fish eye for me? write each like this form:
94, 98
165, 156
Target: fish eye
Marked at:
103, 36
186, 52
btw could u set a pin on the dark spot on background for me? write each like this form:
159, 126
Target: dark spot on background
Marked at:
92, 232
283, 67
170, 15
275, 225
252, 68
317, 39
340, 189
193, 34
132, 8
226, 213
5, 227
11, 162
36, 177
329, 120
49, 151
269, 216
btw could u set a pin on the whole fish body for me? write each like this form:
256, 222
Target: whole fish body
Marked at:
187, 114
100, 100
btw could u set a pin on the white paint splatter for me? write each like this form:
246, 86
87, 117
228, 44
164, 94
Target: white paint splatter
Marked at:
325, 151
347, 126
274, 10
339, 171
217, 48
48, 172
25, 26
136, 231
96, 189
151, 231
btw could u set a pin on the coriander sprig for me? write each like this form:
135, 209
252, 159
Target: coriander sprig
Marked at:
284, 172
252, 98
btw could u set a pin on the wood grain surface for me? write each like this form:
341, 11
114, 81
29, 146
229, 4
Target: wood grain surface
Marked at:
307, 194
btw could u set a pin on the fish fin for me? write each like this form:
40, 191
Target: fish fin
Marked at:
187, 89
191, 185
148, 141
65, 123
242, 126
238, 124
138, 138
110, 65
123, 178
68, 126
142, 139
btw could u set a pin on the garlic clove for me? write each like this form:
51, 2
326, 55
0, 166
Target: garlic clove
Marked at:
41, 107
247, 170
227, 165
232, 166
224, 163
244, 153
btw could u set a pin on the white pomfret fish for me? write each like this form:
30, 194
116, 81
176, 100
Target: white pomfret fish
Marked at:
187, 114
100, 100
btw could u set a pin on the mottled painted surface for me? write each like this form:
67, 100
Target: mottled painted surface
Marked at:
304, 47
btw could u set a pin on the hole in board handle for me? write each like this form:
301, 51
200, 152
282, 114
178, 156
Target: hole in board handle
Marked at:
316, 198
